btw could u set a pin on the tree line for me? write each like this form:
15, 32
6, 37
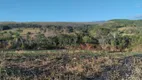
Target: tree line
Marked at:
113, 35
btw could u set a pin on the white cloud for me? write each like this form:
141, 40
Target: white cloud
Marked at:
138, 17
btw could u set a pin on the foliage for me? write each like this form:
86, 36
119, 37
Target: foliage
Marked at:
118, 33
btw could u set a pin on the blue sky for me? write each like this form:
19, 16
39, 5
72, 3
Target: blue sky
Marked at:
69, 10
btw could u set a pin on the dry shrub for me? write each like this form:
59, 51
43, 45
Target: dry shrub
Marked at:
87, 46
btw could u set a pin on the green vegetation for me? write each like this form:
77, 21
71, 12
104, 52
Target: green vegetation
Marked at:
114, 35
71, 51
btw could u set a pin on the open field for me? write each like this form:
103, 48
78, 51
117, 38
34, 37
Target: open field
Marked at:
70, 65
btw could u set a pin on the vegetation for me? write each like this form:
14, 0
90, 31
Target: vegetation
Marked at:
65, 65
114, 35
109, 50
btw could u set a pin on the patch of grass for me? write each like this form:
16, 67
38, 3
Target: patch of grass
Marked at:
70, 65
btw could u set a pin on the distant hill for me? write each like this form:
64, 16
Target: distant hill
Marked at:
93, 22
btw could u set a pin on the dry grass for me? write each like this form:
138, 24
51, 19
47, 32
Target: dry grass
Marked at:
127, 28
32, 30
71, 66
137, 48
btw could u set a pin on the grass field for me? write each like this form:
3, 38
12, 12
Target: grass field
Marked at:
70, 65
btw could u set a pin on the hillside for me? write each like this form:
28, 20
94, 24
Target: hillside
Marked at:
108, 50
116, 35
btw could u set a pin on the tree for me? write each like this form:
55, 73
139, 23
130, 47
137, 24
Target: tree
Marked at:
87, 39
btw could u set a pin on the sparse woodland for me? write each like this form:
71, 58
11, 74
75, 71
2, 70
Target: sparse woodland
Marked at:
113, 35
109, 50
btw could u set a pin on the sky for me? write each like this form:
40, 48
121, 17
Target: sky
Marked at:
69, 10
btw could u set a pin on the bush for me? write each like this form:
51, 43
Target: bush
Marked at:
65, 40
4, 27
